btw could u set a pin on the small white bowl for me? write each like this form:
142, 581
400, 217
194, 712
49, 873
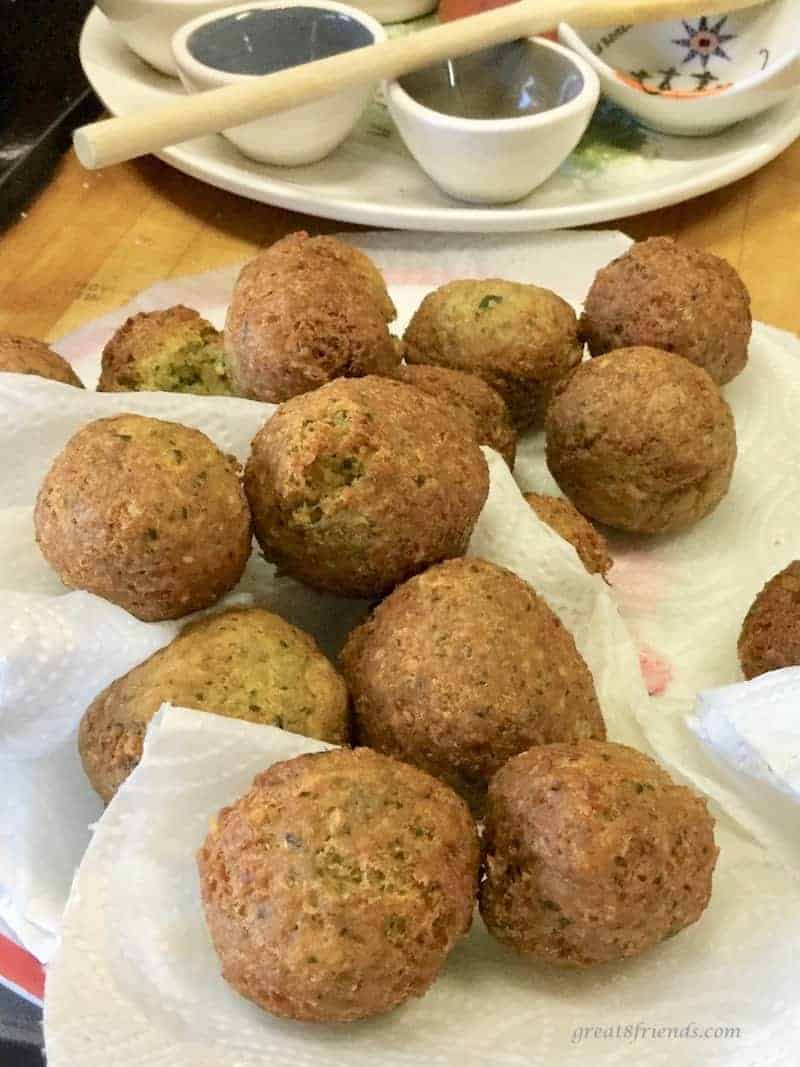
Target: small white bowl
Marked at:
147, 26
388, 11
270, 35
697, 76
495, 160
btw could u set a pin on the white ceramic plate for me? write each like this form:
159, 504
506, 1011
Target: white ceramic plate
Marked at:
619, 169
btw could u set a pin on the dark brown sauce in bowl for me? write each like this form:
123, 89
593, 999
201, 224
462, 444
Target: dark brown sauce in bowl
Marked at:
504, 82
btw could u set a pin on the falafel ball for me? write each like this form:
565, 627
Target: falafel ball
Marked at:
332, 253
666, 295
567, 521
26, 355
641, 440
336, 887
362, 483
171, 351
461, 668
592, 853
244, 663
770, 637
519, 338
147, 514
296, 322
484, 408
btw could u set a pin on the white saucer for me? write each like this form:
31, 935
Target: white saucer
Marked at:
620, 169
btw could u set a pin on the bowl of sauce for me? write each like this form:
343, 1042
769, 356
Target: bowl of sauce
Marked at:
251, 40
492, 126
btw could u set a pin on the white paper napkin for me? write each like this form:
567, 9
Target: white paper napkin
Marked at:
136, 981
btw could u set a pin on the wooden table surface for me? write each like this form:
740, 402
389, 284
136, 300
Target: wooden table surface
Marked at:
92, 240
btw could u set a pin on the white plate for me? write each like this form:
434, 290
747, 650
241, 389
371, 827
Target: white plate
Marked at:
620, 169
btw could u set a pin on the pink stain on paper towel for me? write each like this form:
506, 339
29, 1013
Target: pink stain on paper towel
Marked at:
656, 671
639, 582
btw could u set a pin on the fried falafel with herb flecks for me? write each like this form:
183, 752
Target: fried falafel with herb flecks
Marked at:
295, 323
362, 483
483, 406
336, 887
592, 853
243, 663
147, 514
462, 667
770, 636
26, 355
334, 254
641, 440
567, 521
667, 295
520, 339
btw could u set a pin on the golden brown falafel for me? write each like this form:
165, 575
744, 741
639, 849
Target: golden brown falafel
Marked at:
567, 521
592, 853
244, 663
296, 322
485, 409
26, 355
641, 440
336, 887
146, 513
666, 295
362, 483
171, 351
461, 668
332, 253
519, 338
770, 637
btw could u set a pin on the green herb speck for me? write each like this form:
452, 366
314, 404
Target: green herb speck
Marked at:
489, 301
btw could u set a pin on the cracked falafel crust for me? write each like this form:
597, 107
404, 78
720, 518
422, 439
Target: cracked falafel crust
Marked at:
362, 483
172, 351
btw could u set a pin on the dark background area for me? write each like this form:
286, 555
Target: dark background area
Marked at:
20, 1032
43, 94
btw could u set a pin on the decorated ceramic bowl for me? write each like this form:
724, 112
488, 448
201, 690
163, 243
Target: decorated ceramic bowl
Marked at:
698, 75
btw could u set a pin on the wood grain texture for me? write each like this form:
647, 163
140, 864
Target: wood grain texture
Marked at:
92, 240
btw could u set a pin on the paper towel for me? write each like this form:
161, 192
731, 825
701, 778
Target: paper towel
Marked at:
136, 981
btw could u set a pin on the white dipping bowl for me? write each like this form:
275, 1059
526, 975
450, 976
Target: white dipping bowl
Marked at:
698, 75
396, 10
495, 160
147, 26
272, 35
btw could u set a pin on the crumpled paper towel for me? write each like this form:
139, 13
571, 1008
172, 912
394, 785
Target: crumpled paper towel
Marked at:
668, 593
136, 980
752, 732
